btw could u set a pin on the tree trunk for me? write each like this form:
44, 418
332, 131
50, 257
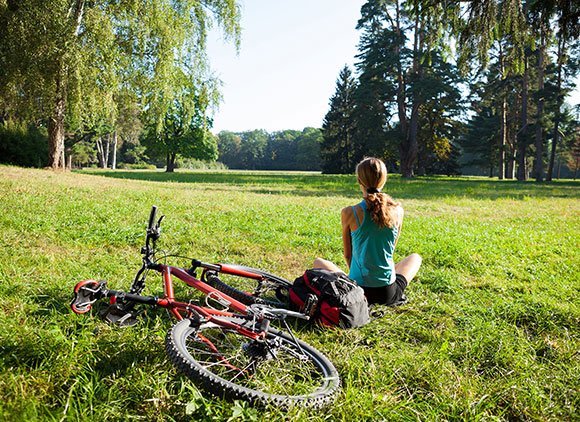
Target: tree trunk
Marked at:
503, 119
523, 132
106, 149
56, 158
557, 113
402, 103
510, 168
101, 153
401, 99
502, 136
171, 156
409, 147
114, 151
539, 159
56, 126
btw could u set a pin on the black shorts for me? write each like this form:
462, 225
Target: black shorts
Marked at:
393, 294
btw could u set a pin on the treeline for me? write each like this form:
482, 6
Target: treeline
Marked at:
496, 104
438, 87
282, 150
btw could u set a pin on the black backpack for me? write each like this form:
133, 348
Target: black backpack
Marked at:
331, 298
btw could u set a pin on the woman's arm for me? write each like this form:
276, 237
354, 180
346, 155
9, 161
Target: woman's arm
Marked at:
400, 215
346, 216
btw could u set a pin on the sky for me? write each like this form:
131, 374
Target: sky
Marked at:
290, 56
286, 70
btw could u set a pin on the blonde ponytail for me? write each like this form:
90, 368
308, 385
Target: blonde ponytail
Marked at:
383, 209
372, 176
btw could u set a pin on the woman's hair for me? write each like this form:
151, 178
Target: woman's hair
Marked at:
371, 175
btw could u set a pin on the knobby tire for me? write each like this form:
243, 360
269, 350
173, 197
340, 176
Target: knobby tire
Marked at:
227, 364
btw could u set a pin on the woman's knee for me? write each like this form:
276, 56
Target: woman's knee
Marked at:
325, 264
319, 263
416, 259
409, 266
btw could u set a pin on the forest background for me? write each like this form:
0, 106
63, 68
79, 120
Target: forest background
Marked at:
437, 88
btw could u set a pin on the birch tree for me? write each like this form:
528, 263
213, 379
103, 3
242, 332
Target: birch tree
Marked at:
64, 61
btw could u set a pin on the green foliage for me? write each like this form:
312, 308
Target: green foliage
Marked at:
136, 166
193, 164
84, 153
491, 331
282, 150
383, 57
81, 60
408, 99
22, 144
338, 150
480, 141
185, 133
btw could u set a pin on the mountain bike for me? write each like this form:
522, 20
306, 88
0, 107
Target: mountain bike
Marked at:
228, 348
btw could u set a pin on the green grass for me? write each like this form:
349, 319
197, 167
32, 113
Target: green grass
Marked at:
491, 331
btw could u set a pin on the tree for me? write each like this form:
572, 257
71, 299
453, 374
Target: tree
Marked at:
22, 144
308, 149
439, 126
399, 42
573, 159
480, 140
338, 152
252, 148
64, 61
229, 146
567, 68
83, 153
381, 92
184, 134
526, 29
281, 151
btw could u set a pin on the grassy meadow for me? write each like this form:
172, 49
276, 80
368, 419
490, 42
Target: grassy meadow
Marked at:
491, 332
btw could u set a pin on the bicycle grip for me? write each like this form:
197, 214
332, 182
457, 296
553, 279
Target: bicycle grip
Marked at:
152, 217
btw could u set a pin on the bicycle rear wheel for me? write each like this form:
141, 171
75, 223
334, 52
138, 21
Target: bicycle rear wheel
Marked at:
271, 290
276, 370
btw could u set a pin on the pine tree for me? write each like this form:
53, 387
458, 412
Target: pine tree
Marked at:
338, 152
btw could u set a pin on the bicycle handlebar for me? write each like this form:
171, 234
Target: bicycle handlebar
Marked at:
153, 229
152, 218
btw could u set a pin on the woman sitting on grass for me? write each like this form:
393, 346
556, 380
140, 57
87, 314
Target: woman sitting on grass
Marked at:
370, 231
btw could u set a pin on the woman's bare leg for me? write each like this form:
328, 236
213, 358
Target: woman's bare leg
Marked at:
325, 265
409, 266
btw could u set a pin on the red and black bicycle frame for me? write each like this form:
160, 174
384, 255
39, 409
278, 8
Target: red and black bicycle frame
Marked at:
181, 310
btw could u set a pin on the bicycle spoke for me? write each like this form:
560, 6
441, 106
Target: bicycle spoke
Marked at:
272, 368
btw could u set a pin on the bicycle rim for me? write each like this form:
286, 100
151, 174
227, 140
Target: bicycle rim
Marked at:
277, 371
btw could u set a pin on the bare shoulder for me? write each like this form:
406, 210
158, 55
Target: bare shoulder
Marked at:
346, 213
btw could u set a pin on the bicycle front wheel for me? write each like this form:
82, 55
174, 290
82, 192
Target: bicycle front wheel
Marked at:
277, 370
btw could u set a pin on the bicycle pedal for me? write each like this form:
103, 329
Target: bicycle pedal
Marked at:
118, 316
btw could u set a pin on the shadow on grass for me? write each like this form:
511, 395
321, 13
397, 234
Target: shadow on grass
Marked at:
314, 184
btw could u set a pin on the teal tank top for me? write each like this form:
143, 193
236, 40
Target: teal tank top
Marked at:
372, 262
